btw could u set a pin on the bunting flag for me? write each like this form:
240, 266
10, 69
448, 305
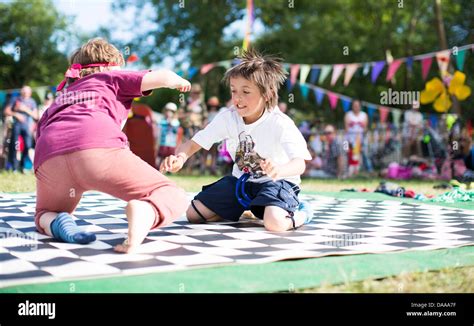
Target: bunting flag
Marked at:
383, 111
442, 57
325, 70
336, 72
332, 99
304, 72
460, 59
304, 91
294, 69
366, 69
319, 95
346, 103
396, 115
226, 64
370, 110
314, 75
409, 64
350, 70
206, 68
192, 71
376, 70
392, 69
425, 67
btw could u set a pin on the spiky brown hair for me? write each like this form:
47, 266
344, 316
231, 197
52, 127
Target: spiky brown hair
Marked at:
265, 71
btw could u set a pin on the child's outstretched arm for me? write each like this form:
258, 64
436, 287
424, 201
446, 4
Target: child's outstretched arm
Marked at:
164, 78
174, 163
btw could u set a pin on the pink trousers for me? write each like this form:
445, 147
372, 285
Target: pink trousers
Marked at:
61, 181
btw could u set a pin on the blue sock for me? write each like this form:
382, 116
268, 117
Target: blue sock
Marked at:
64, 228
306, 208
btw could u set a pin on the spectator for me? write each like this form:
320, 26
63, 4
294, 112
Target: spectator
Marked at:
412, 130
169, 130
355, 122
24, 111
331, 163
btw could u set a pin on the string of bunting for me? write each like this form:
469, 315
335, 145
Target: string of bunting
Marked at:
371, 108
318, 73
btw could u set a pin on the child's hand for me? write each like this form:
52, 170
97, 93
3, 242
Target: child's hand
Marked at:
172, 164
270, 168
183, 86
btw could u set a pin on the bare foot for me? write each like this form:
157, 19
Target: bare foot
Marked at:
141, 216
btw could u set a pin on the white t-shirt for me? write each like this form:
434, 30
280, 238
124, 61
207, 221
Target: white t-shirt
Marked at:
356, 125
274, 136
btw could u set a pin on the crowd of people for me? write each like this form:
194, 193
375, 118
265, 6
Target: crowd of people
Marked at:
416, 148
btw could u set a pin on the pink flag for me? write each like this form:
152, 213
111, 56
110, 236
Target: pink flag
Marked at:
392, 69
294, 73
350, 70
332, 99
425, 66
383, 111
336, 72
206, 68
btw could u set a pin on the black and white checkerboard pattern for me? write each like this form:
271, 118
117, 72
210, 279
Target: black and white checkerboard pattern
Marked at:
340, 227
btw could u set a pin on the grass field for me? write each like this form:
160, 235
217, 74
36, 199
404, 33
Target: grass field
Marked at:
442, 281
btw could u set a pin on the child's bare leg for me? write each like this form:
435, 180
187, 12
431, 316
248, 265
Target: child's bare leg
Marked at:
207, 214
141, 217
275, 219
45, 222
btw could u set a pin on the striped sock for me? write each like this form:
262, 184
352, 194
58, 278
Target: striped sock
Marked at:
64, 228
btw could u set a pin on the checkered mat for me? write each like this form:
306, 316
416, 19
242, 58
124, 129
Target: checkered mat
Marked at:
340, 227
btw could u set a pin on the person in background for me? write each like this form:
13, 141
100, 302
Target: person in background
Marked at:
331, 164
355, 122
24, 111
169, 131
412, 131
210, 160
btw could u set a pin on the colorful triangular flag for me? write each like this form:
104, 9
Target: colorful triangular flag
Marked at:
376, 70
392, 69
346, 103
304, 91
314, 74
325, 70
425, 66
336, 72
333, 100
319, 95
350, 70
460, 56
206, 68
304, 72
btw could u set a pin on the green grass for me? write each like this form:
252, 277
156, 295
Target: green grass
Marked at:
445, 280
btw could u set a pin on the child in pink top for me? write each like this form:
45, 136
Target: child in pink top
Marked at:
81, 147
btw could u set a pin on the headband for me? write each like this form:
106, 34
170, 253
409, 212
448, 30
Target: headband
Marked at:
75, 69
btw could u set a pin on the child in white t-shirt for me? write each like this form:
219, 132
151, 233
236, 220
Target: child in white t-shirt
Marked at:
267, 148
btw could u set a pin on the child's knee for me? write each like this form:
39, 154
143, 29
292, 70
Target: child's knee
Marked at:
192, 215
275, 221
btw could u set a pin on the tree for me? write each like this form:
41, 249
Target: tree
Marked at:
29, 34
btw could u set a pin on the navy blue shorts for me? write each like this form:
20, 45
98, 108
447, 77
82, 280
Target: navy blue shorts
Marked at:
220, 197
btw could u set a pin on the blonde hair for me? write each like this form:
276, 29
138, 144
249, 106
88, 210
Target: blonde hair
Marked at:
265, 71
96, 50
